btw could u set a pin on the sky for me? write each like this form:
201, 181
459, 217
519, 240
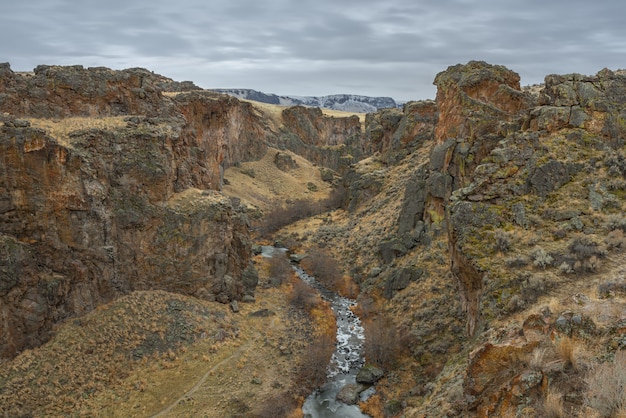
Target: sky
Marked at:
389, 48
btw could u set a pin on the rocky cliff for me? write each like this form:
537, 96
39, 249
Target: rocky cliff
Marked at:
88, 214
110, 183
503, 205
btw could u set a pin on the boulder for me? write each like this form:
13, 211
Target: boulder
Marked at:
349, 394
369, 374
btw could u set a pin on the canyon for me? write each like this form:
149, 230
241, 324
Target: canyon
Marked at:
487, 226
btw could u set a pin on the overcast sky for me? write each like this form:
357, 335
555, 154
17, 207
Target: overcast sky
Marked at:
316, 47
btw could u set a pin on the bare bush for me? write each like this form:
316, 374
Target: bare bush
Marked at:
553, 405
279, 270
567, 350
324, 267
314, 365
612, 287
541, 258
615, 239
302, 295
585, 254
279, 406
607, 387
382, 342
616, 222
502, 241
281, 215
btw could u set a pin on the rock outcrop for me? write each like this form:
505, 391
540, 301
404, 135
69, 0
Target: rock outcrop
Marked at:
328, 141
82, 224
109, 183
99, 212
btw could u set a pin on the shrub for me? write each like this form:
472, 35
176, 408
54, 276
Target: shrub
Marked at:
615, 239
615, 163
582, 247
279, 216
382, 345
553, 405
502, 241
607, 387
313, 367
567, 350
278, 406
324, 267
279, 270
606, 289
615, 222
585, 254
302, 295
541, 258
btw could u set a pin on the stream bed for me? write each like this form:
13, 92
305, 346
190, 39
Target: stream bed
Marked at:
346, 360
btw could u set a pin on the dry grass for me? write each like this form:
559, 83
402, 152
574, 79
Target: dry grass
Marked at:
568, 349
271, 186
61, 128
553, 405
607, 387
152, 350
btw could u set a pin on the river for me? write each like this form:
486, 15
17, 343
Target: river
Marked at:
346, 360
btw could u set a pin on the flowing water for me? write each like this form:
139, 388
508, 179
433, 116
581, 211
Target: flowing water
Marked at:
346, 360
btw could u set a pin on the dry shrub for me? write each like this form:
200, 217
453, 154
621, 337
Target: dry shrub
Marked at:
279, 216
282, 405
279, 270
347, 288
382, 345
502, 241
313, 366
567, 350
303, 296
615, 239
553, 405
324, 267
607, 387
538, 359
373, 407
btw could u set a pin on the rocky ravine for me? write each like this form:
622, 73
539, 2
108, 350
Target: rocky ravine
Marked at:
490, 223
90, 213
487, 225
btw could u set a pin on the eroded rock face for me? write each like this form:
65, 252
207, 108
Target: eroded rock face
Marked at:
56, 92
85, 223
327, 141
594, 103
474, 98
103, 212
394, 132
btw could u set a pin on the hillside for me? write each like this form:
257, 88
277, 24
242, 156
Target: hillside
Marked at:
483, 233
495, 245
343, 102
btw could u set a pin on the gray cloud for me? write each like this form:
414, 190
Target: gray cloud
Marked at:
393, 48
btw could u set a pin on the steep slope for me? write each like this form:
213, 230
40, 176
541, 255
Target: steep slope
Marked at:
493, 239
111, 183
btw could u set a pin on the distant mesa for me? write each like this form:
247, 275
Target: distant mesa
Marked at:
344, 102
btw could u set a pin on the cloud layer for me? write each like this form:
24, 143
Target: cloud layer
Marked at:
393, 48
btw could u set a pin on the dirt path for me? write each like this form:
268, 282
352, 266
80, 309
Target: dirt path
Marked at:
233, 357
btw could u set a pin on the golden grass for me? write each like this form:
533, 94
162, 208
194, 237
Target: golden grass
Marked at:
553, 405
271, 185
94, 365
275, 113
62, 128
